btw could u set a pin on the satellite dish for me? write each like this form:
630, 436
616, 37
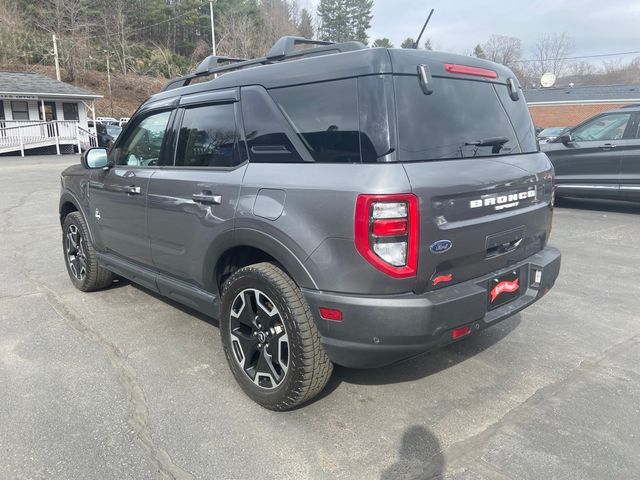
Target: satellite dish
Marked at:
547, 80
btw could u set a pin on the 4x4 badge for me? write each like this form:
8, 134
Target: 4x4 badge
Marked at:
441, 246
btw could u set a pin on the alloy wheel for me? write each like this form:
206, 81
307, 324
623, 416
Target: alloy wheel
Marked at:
260, 344
76, 256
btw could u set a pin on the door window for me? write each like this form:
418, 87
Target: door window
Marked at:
142, 147
605, 127
208, 137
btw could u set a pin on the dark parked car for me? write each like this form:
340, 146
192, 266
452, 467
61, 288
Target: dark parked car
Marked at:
338, 204
551, 133
599, 158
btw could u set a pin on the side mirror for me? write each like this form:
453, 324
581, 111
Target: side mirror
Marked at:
95, 158
565, 138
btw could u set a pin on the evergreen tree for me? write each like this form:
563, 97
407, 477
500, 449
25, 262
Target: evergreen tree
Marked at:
382, 42
305, 26
479, 52
408, 43
344, 20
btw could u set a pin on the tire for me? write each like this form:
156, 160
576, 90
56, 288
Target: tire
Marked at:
80, 256
285, 365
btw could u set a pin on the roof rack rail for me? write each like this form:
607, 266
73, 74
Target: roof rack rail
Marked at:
284, 48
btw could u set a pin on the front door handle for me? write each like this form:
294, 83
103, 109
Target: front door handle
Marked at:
608, 146
132, 190
207, 198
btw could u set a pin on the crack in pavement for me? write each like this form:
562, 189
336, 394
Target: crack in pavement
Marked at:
458, 453
8, 211
138, 406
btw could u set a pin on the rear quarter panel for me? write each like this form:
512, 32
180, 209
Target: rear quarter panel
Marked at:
317, 218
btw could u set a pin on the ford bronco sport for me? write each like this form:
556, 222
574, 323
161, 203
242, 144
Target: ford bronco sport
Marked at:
331, 204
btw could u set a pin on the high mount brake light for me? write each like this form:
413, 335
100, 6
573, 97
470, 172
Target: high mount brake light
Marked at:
386, 232
469, 70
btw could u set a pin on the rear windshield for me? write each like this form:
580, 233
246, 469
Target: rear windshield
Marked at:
460, 119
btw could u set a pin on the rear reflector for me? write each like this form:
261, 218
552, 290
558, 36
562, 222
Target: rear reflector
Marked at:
390, 228
331, 314
468, 70
461, 332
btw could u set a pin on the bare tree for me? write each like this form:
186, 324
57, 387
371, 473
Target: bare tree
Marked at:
551, 53
279, 19
582, 69
240, 35
71, 22
115, 23
13, 34
503, 49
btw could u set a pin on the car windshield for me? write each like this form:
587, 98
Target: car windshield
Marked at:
114, 130
552, 131
460, 119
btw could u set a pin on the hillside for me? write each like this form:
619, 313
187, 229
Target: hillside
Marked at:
128, 92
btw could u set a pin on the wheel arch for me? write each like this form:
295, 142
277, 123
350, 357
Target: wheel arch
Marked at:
69, 204
242, 247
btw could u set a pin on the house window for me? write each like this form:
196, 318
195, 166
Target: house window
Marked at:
20, 110
70, 111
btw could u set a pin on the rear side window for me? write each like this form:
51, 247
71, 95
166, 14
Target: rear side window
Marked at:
208, 137
460, 119
325, 118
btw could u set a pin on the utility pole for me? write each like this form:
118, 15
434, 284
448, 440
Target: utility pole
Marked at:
55, 56
108, 53
213, 32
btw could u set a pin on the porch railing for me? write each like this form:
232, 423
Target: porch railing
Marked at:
23, 134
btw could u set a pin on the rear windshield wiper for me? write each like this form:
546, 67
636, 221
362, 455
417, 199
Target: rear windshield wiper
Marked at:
496, 142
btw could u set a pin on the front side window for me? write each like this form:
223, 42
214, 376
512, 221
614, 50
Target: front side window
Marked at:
325, 118
208, 137
605, 127
142, 147
20, 110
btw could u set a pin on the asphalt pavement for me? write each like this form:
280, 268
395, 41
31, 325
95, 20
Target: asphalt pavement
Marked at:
122, 384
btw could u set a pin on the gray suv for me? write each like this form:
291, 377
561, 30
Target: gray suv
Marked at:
329, 205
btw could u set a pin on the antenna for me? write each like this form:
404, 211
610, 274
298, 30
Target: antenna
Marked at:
417, 42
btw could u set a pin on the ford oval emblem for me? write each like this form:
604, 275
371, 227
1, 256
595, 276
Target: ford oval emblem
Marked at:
441, 246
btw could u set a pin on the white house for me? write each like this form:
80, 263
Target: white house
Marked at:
38, 112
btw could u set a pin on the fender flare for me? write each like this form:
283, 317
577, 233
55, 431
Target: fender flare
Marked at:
248, 237
68, 197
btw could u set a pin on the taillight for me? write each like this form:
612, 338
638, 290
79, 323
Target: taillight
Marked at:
387, 232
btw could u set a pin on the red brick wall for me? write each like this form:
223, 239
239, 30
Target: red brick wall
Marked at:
567, 115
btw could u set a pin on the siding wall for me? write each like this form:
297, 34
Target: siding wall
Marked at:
567, 115
35, 106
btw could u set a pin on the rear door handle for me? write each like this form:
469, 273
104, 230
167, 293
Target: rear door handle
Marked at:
132, 190
207, 198
608, 146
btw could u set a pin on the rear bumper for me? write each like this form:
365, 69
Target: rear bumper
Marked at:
380, 330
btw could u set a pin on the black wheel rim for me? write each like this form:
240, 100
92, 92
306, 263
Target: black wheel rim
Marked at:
76, 256
259, 340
